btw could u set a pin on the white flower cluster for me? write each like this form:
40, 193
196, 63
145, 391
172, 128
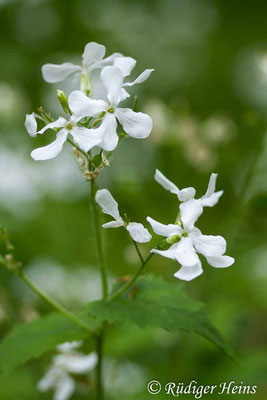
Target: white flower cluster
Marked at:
68, 361
94, 115
102, 89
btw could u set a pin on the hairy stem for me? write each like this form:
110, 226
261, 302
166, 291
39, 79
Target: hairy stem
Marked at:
99, 246
124, 288
53, 303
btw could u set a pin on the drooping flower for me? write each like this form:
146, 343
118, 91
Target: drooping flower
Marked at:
68, 361
209, 199
186, 241
83, 137
109, 206
135, 124
92, 59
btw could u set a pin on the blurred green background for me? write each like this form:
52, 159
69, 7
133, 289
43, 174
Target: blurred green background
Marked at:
208, 100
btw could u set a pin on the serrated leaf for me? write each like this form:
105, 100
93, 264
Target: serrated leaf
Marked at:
32, 339
158, 303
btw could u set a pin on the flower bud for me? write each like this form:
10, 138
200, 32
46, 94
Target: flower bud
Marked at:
63, 101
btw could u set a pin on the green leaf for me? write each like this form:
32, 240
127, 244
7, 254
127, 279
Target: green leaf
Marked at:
158, 303
32, 339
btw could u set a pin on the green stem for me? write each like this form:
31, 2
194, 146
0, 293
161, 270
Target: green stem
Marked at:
53, 302
99, 367
99, 246
104, 279
138, 251
131, 281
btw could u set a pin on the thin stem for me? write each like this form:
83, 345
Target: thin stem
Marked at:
99, 367
53, 302
131, 281
138, 251
99, 246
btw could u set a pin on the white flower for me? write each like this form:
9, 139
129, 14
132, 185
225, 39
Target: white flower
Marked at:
109, 206
135, 124
209, 199
186, 241
92, 59
68, 362
83, 137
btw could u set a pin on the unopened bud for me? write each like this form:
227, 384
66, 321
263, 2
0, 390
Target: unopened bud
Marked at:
63, 101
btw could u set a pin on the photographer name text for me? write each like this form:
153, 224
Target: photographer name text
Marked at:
198, 391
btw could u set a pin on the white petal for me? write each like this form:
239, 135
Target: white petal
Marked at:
220, 262
138, 232
53, 73
166, 183
85, 138
108, 60
53, 149
93, 53
65, 388
48, 380
31, 124
107, 202
113, 224
124, 95
170, 253
164, 230
125, 64
211, 197
190, 212
76, 363
208, 245
187, 194
67, 347
108, 131
189, 273
82, 106
212, 200
112, 79
141, 78
59, 123
185, 253
137, 125
211, 186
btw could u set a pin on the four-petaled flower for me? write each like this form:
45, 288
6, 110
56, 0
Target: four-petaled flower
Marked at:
69, 361
83, 137
209, 199
135, 124
109, 206
92, 60
186, 241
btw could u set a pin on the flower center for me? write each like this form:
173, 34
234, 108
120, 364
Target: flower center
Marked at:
185, 234
111, 110
69, 126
